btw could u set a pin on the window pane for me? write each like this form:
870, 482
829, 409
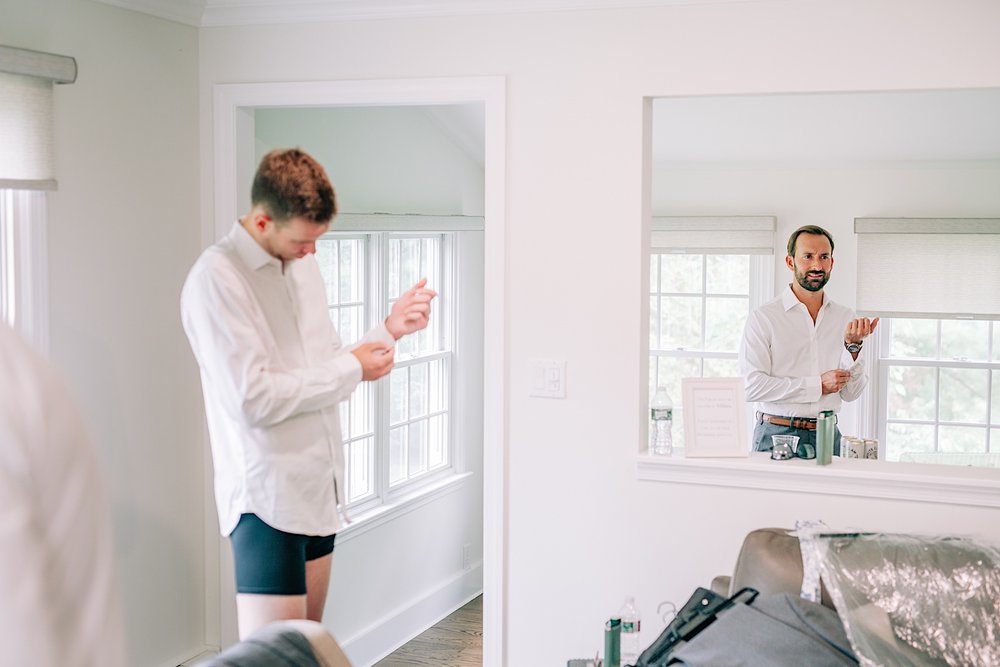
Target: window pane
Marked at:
409, 270
362, 419
418, 390
670, 372
397, 455
901, 438
350, 257
961, 439
963, 395
654, 318
727, 274
995, 411
913, 338
996, 340
722, 368
392, 289
437, 452
398, 395
435, 386
724, 320
417, 448
965, 339
326, 258
360, 469
654, 272
911, 393
680, 323
681, 273
351, 326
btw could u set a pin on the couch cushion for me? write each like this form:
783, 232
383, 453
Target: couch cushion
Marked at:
771, 562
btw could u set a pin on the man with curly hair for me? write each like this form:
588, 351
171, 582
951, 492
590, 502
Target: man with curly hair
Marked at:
273, 371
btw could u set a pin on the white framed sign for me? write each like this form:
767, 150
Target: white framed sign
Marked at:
714, 417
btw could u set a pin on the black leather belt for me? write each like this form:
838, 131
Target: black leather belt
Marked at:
794, 422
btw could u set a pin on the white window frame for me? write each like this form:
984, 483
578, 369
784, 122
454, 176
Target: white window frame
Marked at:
376, 274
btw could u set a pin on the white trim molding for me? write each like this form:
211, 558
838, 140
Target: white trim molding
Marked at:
403, 624
917, 482
227, 13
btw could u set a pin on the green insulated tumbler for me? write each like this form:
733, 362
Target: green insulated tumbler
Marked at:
613, 643
825, 425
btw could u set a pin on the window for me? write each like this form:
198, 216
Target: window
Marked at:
698, 306
396, 430
939, 390
26, 171
7, 300
23, 284
705, 276
937, 386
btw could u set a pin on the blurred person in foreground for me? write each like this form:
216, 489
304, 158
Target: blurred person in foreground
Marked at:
59, 596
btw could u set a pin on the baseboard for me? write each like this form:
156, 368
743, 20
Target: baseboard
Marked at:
194, 657
395, 629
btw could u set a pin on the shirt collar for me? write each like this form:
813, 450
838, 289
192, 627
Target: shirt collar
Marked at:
789, 300
249, 250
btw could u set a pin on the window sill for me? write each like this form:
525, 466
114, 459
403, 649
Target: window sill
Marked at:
921, 482
403, 505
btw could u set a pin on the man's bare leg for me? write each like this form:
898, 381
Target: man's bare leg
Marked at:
317, 585
254, 611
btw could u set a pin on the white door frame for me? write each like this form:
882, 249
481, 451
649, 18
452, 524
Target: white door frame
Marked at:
232, 105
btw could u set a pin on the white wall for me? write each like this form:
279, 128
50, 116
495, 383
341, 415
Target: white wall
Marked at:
123, 229
582, 532
381, 159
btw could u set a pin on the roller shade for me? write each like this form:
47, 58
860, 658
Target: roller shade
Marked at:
929, 267
738, 235
26, 81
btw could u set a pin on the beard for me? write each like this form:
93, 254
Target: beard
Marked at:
812, 281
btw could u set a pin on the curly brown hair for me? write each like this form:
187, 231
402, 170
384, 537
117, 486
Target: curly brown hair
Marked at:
291, 184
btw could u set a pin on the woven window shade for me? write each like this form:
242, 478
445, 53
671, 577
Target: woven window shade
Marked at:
26, 81
929, 267
742, 235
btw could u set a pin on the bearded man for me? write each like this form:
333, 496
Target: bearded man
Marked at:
801, 352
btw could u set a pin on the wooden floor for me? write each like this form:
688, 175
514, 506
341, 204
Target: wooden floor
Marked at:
457, 641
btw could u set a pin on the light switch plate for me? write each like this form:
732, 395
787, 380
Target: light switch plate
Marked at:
548, 378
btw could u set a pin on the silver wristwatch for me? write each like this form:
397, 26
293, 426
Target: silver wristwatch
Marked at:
853, 348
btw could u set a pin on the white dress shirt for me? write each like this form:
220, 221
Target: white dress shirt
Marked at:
273, 371
59, 595
783, 354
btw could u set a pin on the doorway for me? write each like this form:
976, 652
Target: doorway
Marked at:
401, 121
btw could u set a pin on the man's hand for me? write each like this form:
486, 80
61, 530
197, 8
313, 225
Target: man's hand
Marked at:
859, 329
411, 311
833, 381
376, 359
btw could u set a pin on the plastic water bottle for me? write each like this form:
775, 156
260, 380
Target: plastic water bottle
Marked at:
631, 645
661, 418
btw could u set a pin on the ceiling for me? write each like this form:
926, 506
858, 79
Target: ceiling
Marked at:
220, 13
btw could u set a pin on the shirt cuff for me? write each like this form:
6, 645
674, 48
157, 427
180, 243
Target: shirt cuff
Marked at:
813, 389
